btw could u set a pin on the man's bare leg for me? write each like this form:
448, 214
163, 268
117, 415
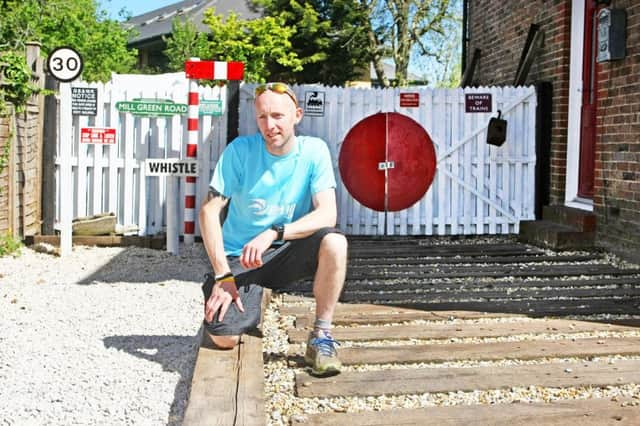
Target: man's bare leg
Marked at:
321, 354
224, 342
330, 275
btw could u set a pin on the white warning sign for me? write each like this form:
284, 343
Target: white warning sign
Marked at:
170, 167
314, 103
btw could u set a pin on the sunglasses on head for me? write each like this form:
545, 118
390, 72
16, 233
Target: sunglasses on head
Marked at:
277, 87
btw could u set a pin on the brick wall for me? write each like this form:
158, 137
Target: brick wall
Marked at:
500, 30
617, 180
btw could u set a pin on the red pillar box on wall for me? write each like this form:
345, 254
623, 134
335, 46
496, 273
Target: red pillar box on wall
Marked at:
387, 162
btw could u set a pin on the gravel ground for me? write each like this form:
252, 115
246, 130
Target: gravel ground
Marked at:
109, 336
103, 336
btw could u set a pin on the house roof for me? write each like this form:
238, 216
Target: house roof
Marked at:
157, 23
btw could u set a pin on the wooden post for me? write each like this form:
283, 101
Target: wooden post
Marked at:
36, 62
11, 169
173, 235
49, 138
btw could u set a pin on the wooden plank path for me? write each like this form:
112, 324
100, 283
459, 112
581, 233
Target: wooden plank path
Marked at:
421, 319
227, 387
418, 369
592, 412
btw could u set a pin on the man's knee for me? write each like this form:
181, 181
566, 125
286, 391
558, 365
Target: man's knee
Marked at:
225, 342
335, 245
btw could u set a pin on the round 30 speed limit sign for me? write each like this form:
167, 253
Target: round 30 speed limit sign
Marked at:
65, 64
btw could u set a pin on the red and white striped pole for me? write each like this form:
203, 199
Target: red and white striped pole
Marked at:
191, 154
195, 70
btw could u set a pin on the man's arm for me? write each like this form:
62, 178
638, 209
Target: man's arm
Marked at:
224, 291
211, 230
323, 215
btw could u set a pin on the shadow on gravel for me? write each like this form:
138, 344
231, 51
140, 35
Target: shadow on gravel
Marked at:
174, 353
143, 265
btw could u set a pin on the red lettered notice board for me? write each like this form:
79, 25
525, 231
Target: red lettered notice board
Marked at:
98, 135
411, 100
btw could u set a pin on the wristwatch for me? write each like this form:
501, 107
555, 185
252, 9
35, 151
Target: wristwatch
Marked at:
279, 228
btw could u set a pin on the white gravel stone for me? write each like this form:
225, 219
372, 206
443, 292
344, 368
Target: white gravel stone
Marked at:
102, 336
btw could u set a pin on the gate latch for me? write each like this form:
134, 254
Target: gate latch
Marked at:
386, 165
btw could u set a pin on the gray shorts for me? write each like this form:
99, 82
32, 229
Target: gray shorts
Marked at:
282, 265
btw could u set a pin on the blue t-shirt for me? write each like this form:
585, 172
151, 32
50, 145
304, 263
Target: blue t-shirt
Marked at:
266, 189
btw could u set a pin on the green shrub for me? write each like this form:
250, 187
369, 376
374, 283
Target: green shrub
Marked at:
15, 77
9, 245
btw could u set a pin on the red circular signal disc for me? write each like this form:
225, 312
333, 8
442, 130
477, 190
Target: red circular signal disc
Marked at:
397, 143
363, 149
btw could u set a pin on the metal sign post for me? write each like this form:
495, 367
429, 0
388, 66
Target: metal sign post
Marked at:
65, 65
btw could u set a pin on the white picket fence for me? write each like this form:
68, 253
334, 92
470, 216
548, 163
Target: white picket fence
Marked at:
478, 188
111, 178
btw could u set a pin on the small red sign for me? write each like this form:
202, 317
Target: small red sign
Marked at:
477, 102
409, 99
98, 135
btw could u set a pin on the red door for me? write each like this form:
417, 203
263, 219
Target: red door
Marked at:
588, 112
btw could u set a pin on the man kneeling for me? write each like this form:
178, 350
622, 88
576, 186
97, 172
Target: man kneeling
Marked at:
280, 192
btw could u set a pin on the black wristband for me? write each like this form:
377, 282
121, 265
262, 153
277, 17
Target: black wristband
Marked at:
222, 277
279, 231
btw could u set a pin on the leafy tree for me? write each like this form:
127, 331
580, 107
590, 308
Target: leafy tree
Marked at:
79, 24
337, 40
402, 28
328, 39
261, 44
451, 65
185, 42
309, 41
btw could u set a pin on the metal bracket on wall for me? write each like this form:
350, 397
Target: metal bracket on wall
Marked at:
467, 78
534, 41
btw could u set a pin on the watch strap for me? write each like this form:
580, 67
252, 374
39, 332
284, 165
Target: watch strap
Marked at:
280, 231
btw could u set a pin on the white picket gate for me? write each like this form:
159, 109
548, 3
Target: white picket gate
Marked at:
111, 178
477, 189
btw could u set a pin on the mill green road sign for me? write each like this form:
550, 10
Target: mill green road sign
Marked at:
166, 107
151, 108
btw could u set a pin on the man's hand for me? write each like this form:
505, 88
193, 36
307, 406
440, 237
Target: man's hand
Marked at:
252, 251
223, 294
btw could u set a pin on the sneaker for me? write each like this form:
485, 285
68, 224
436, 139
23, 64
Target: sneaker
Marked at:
322, 355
